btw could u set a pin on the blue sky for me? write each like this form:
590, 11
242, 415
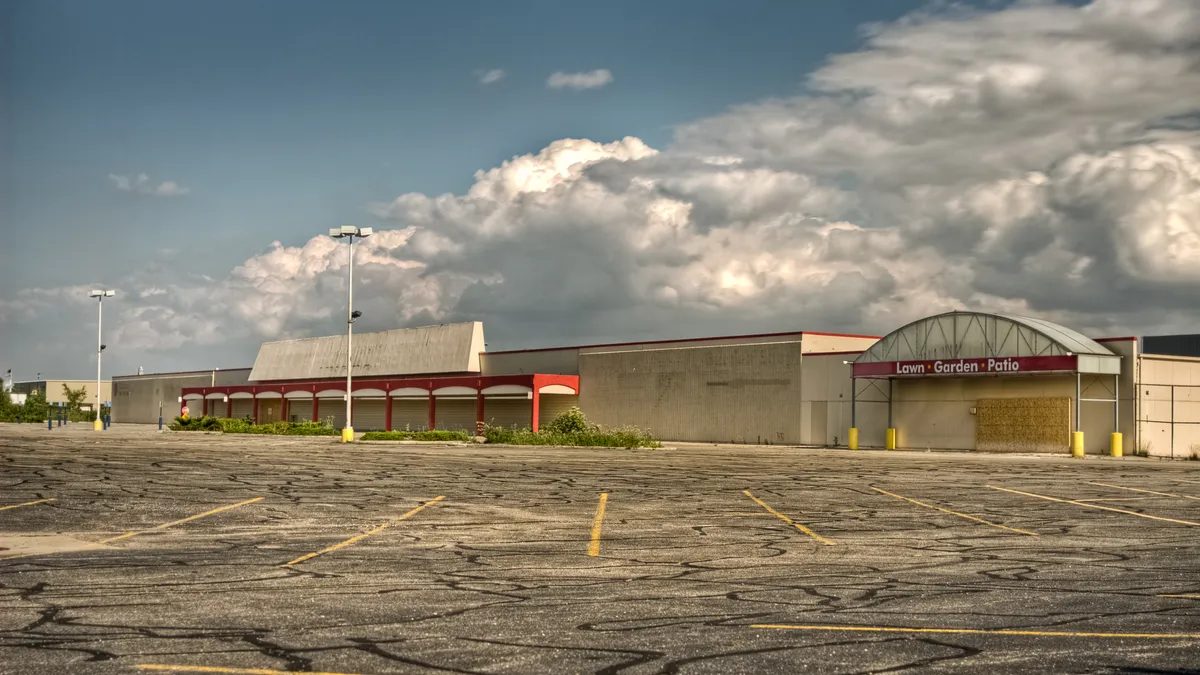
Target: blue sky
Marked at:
282, 118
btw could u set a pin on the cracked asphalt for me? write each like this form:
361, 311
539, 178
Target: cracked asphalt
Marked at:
132, 551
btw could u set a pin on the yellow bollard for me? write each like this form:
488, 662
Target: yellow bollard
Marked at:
1117, 447
891, 439
853, 440
348, 435
98, 425
1077, 444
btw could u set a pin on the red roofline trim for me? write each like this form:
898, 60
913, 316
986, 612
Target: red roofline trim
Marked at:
1115, 339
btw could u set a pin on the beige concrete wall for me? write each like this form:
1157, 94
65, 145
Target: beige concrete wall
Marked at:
1169, 405
136, 397
739, 393
818, 342
825, 404
55, 394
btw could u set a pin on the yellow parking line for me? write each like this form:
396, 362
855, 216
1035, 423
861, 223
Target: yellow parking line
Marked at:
1095, 506
364, 535
972, 631
787, 520
1152, 492
594, 547
1189, 596
228, 671
1114, 499
179, 522
17, 506
956, 513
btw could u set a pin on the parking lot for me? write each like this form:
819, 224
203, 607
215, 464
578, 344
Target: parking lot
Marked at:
130, 551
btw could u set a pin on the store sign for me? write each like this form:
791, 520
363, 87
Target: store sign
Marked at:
1009, 365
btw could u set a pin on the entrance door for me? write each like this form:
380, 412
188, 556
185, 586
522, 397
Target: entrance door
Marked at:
269, 410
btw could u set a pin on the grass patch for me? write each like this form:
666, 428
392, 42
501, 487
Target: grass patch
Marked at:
245, 426
435, 435
571, 428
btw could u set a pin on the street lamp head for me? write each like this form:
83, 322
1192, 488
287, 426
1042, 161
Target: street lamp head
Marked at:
101, 294
347, 230
365, 232
103, 347
109, 294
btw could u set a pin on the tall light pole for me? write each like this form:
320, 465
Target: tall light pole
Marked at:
98, 425
349, 231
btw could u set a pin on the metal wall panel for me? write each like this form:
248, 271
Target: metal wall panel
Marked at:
410, 414
136, 397
553, 405
509, 412
447, 349
456, 414
242, 407
299, 409
370, 414
332, 410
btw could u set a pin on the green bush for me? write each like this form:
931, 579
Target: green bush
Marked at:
572, 428
435, 435
246, 426
572, 421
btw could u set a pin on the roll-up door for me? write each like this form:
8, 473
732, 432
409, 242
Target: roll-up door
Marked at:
456, 414
333, 411
410, 414
370, 414
243, 408
553, 405
508, 412
299, 409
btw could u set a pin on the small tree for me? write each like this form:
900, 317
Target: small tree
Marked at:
75, 398
35, 408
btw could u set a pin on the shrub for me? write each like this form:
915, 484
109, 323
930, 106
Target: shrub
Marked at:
434, 435
572, 421
572, 428
246, 426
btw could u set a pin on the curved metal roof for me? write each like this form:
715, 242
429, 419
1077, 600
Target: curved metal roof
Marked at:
979, 335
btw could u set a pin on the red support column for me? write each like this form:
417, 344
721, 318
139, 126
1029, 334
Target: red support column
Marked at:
537, 399
256, 409
283, 410
387, 402
316, 407
228, 406
432, 411
478, 411
204, 406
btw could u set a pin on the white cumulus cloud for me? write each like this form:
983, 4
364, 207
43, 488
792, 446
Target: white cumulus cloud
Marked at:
590, 80
490, 76
141, 184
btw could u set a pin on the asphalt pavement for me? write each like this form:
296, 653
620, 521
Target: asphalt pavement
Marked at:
130, 551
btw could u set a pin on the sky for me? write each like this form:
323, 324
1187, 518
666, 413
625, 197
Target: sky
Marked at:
573, 173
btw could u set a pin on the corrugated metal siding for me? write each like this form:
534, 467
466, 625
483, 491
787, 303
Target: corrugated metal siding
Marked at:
508, 412
335, 409
1172, 345
553, 405
300, 410
456, 414
370, 414
410, 414
449, 348
243, 407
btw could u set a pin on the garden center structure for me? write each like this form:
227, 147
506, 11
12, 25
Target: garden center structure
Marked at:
960, 380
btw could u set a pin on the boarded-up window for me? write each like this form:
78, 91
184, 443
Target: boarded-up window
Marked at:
1023, 424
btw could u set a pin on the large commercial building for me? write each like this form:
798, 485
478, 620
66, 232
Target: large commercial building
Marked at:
962, 380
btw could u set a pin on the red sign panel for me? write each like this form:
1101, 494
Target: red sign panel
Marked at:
1009, 365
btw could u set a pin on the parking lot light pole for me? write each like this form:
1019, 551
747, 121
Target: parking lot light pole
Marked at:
349, 232
98, 425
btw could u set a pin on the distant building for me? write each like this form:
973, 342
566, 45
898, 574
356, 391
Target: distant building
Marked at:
53, 390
